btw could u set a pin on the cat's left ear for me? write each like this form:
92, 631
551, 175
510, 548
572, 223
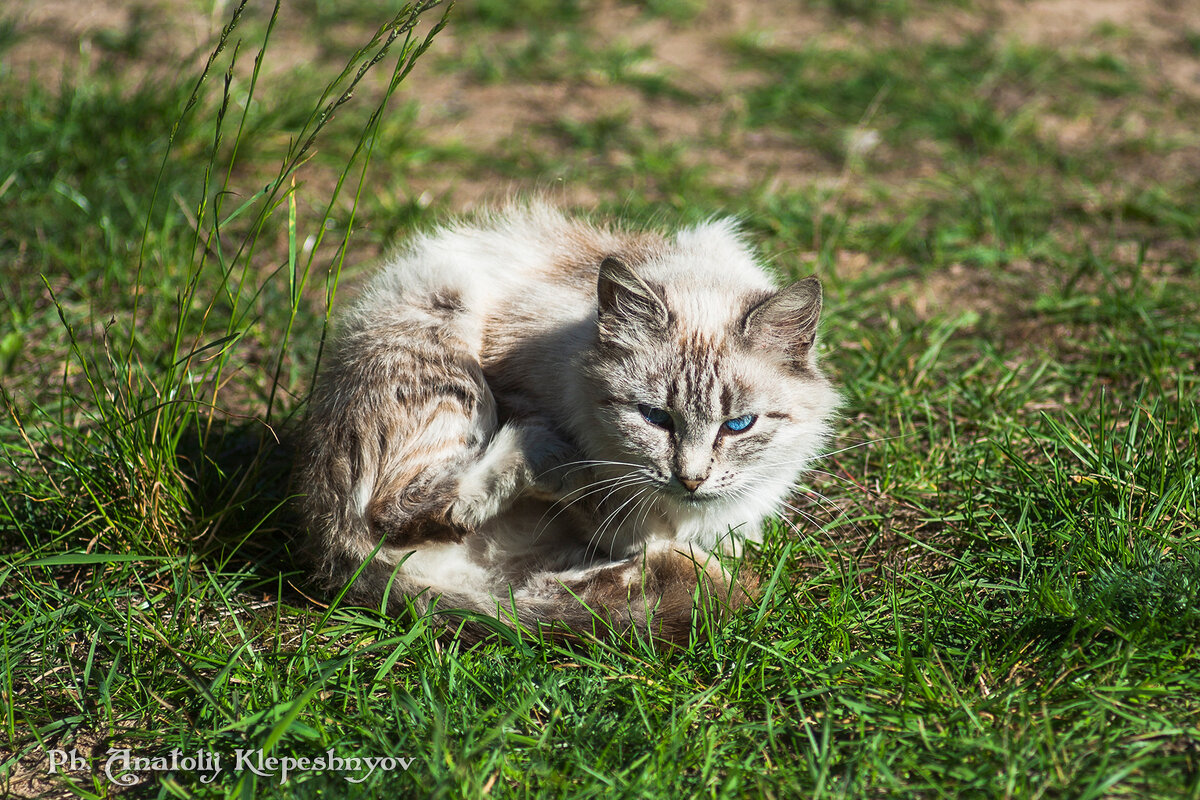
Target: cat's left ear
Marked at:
786, 322
625, 299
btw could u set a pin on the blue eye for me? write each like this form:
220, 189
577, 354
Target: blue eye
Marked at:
656, 416
739, 424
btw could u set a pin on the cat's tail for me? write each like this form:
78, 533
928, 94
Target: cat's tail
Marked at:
667, 594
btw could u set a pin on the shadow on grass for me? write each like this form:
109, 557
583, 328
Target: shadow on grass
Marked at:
243, 505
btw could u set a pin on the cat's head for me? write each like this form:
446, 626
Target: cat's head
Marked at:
712, 391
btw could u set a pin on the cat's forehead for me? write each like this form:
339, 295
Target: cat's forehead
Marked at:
697, 382
708, 277
715, 377
703, 310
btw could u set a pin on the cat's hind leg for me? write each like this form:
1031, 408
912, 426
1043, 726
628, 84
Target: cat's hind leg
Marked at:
402, 446
400, 410
448, 469
412, 497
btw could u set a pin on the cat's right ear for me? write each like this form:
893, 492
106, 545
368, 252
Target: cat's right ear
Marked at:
625, 300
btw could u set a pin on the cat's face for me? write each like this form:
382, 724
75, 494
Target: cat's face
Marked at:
719, 413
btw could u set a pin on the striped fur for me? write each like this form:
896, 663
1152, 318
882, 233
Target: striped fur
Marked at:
475, 432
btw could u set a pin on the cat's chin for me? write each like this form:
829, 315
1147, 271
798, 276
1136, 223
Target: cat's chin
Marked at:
709, 519
699, 505
706, 503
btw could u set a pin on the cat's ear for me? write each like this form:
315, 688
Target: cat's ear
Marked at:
786, 322
624, 299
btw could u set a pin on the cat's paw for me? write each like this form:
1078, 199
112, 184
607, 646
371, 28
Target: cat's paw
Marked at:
524, 458
554, 464
468, 514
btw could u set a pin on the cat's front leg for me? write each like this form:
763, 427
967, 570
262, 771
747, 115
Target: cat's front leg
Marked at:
524, 457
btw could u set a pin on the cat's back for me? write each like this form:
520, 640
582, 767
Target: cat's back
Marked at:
527, 271
502, 257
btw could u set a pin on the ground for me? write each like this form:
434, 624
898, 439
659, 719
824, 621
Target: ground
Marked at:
987, 588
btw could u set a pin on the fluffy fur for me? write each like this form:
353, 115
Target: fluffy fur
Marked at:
534, 418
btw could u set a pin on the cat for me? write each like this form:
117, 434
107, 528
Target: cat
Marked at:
560, 425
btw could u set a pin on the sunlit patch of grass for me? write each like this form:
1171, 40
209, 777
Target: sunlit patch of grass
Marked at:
678, 11
988, 587
568, 55
537, 14
970, 98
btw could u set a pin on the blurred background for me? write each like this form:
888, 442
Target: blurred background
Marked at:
870, 114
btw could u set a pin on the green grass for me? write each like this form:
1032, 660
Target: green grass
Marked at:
974, 97
992, 586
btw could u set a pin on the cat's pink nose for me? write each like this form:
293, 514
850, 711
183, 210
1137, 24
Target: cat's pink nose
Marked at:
691, 484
